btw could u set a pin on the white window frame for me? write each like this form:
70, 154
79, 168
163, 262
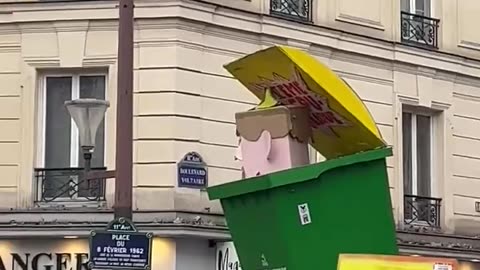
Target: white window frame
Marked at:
414, 114
413, 9
41, 125
41, 112
433, 190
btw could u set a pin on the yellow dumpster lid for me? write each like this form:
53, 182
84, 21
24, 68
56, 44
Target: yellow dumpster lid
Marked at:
341, 123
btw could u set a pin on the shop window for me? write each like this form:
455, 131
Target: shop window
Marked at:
60, 159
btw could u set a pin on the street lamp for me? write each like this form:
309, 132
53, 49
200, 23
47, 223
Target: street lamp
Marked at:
87, 114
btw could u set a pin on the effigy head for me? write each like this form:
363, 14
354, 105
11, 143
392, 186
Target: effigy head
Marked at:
273, 139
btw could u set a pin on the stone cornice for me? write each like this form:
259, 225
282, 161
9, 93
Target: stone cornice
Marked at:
250, 27
47, 62
79, 222
71, 26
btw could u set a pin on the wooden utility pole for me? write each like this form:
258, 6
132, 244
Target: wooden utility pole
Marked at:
124, 143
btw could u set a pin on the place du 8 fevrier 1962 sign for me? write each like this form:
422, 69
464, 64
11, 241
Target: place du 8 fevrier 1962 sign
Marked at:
192, 171
120, 246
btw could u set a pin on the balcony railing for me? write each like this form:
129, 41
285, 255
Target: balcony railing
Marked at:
419, 30
300, 10
67, 185
423, 211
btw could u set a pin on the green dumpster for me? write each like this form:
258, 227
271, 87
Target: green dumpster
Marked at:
303, 218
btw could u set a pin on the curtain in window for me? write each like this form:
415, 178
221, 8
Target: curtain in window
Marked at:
58, 123
423, 156
423, 7
94, 87
57, 133
407, 163
407, 153
405, 5
420, 7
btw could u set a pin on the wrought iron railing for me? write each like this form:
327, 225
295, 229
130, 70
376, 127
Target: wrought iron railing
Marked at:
68, 184
419, 30
420, 210
292, 9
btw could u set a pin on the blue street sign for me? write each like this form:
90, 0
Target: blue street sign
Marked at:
120, 247
192, 171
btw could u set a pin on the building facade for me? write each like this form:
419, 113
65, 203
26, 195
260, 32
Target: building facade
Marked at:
415, 64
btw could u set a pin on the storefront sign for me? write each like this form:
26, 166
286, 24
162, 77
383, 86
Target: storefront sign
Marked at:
120, 247
44, 254
192, 171
227, 258
44, 261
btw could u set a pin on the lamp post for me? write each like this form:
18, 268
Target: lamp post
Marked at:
124, 135
87, 114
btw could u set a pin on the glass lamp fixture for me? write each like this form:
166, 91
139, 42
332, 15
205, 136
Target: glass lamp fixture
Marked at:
87, 114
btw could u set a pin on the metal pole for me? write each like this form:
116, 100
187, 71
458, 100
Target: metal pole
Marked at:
124, 153
87, 156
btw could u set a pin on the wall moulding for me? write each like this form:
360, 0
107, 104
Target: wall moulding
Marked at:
99, 61
360, 21
360, 59
440, 106
407, 100
466, 97
469, 45
363, 78
71, 26
36, 27
375, 21
9, 29
104, 25
466, 80
10, 48
38, 62
336, 41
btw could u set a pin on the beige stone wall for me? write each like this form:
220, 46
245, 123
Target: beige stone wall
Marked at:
370, 18
185, 101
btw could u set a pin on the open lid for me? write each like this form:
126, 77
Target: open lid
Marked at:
341, 124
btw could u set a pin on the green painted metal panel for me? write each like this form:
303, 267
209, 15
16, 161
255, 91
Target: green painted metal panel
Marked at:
349, 207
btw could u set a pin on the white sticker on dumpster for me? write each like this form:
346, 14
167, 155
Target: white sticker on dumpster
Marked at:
443, 266
304, 214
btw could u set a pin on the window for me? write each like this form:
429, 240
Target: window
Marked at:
417, 145
59, 144
295, 9
418, 7
417, 25
420, 206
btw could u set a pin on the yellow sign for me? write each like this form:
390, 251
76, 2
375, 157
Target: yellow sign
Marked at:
341, 123
384, 262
